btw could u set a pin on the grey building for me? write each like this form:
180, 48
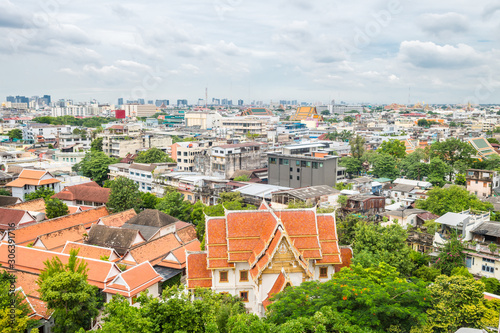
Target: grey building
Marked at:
301, 171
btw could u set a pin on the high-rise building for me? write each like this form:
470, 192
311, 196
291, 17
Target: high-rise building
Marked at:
11, 99
120, 101
182, 102
240, 102
140, 101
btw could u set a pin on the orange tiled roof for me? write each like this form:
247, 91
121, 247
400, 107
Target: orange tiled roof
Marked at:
154, 250
32, 177
217, 246
302, 228
180, 255
305, 112
134, 280
90, 191
277, 287
117, 219
346, 254
91, 251
328, 240
29, 233
54, 241
37, 205
32, 260
185, 231
9, 216
199, 276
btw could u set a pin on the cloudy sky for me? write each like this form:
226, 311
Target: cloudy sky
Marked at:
373, 51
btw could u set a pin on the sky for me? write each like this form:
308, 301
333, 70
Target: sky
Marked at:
365, 51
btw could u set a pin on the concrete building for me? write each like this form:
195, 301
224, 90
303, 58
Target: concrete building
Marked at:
296, 170
69, 139
138, 110
34, 132
31, 180
185, 152
77, 110
482, 183
241, 126
225, 160
204, 120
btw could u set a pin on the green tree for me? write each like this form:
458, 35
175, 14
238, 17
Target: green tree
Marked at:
492, 162
325, 112
153, 155
385, 167
5, 192
21, 309
451, 256
230, 197
198, 218
15, 133
55, 208
173, 204
346, 228
149, 200
124, 195
413, 167
393, 147
460, 179
352, 165
493, 140
457, 301
491, 285
451, 151
357, 146
349, 119
95, 165
64, 288
41, 192
174, 312
96, 144
438, 171
374, 244
343, 186
376, 298
453, 199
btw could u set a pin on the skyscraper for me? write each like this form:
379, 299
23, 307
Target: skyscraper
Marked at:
120, 101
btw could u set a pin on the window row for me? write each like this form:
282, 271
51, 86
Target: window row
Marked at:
223, 277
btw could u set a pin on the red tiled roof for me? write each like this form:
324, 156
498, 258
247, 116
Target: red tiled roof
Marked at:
155, 250
32, 260
56, 240
180, 255
216, 243
91, 251
198, 274
302, 228
29, 233
277, 287
134, 280
346, 254
118, 219
37, 205
328, 240
90, 191
13, 216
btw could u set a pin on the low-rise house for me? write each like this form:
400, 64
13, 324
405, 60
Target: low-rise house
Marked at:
11, 219
253, 254
31, 180
460, 223
483, 258
35, 207
322, 195
483, 183
6, 200
116, 238
56, 240
88, 194
365, 204
406, 218
361, 184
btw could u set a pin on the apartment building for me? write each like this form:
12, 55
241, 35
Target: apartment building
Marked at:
120, 146
185, 152
35, 132
241, 126
204, 120
302, 170
225, 160
69, 139
482, 183
139, 110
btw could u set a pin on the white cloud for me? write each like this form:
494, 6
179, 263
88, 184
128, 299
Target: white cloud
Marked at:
438, 23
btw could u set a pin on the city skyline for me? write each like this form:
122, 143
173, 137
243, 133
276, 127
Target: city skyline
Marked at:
373, 51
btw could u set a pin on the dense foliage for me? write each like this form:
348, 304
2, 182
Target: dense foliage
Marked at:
55, 208
453, 199
95, 165
70, 120
124, 195
41, 192
153, 155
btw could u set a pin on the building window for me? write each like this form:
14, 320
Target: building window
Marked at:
303, 164
223, 276
291, 169
298, 169
297, 163
484, 184
491, 261
323, 272
291, 177
298, 177
315, 165
134, 299
487, 269
243, 275
272, 160
244, 296
190, 198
